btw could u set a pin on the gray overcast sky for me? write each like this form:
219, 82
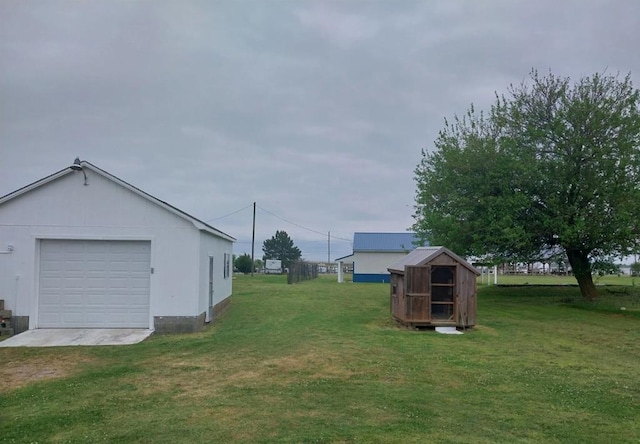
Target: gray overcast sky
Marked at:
316, 110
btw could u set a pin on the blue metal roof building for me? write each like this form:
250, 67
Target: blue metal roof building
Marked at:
388, 242
373, 253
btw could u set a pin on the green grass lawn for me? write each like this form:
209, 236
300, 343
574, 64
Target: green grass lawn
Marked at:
323, 362
533, 279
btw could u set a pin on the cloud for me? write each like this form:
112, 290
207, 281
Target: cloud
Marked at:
344, 30
315, 110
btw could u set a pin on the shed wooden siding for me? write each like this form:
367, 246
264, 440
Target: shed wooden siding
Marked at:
417, 291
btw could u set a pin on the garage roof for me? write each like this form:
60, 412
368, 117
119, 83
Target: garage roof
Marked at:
200, 225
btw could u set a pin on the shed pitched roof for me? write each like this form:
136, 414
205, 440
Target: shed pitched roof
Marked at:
200, 225
384, 242
422, 255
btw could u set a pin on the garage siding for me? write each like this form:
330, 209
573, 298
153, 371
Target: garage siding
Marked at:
94, 284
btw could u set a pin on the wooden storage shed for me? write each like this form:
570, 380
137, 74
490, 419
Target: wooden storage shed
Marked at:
432, 286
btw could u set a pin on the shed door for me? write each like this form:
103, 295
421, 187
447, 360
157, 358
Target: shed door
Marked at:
443, 289
416, 282
94, 284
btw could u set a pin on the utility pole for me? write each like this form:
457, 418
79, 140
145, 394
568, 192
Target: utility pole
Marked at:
328, 249
253, 238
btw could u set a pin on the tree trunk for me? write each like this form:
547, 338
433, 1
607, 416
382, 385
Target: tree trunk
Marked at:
581, 267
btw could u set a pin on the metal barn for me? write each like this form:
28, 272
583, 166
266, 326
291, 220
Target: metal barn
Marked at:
374, 252
432, 286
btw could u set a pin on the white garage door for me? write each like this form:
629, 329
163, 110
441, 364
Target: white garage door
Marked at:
94, 284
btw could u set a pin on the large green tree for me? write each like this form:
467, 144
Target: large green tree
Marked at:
281, 247
553, 167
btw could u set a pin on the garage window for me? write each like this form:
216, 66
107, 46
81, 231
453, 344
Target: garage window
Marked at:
227, 265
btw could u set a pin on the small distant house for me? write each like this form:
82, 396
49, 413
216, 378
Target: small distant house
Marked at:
85, 249
432, 286
373, 253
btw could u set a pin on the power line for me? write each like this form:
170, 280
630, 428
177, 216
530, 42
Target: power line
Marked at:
292, 223
323, 234
301, 226
230, 214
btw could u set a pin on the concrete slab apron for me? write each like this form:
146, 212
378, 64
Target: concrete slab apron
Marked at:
64, 337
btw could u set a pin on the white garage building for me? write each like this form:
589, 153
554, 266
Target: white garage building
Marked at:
84, 249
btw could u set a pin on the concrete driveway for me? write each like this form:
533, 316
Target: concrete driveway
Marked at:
64, 337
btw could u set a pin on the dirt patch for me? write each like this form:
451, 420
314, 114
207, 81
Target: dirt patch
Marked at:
16, 374
166, 375
320, 364
485, 329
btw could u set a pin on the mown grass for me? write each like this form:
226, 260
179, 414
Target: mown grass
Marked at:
323, 362
549, 279
617, 294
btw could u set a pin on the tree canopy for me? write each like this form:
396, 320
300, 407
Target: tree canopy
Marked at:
553, 167
243, 263
281, 247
